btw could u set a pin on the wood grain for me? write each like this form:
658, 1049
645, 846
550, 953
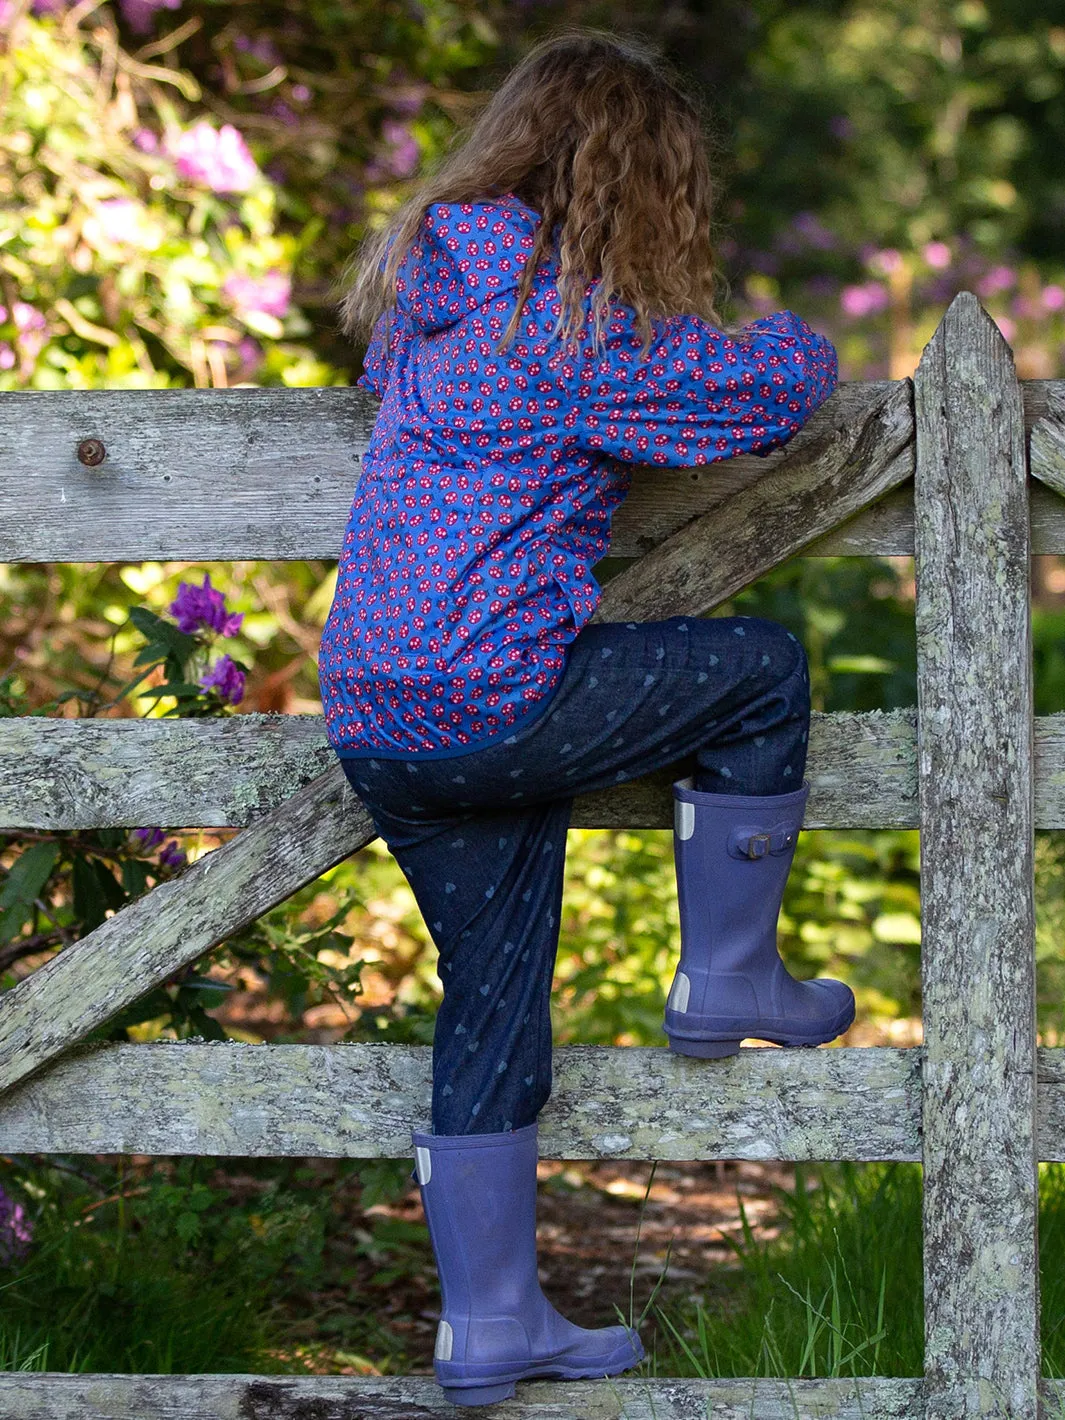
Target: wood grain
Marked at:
58, 1396
220, 475
975, 764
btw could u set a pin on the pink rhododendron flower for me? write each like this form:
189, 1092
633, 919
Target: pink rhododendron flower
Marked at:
140, 14
937, 254
863, 300
122, 220
33, 336
999, 278
217, 158
270, 293
885, 262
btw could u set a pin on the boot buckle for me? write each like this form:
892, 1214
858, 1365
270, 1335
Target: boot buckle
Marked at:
759, 845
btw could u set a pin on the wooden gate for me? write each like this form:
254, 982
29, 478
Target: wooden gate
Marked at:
938, 467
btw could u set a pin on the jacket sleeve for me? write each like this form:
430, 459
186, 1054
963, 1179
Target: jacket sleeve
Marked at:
699, 395
389, 330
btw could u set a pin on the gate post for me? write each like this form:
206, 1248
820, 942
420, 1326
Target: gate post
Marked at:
974, 736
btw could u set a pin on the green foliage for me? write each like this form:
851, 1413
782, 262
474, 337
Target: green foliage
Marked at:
153, 1272
837, 1290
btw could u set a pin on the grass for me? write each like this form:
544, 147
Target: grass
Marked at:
839, 1290
172, 1274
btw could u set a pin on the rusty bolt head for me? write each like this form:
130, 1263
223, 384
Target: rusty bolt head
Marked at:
91, 452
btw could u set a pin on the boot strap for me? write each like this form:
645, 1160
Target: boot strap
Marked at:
746, 843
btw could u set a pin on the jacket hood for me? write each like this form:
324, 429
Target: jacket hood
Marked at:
466, 254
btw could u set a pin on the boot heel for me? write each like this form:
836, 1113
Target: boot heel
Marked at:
480, 1394
705, 1049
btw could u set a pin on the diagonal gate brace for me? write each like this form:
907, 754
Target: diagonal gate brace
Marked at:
807, 494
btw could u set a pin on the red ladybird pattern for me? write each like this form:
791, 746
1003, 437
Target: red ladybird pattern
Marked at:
491, 478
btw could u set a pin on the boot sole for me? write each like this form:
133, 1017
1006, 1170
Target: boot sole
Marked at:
715, 1045
503, 1388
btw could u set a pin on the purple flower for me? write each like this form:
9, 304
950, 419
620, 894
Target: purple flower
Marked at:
140, 14
226, 678
204, 606
49, 7
263, 49
284, 112
406, 99
215, 158
937, 254
300, 93
810, 226
148, 838
999, 278
764, 261
146, 140
1007, 327
243, 360
16, 1231
1053, 298
398, 156
863, 300
173, 856
269, 294
821, 285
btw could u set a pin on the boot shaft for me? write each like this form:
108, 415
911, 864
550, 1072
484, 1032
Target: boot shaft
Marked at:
732, 856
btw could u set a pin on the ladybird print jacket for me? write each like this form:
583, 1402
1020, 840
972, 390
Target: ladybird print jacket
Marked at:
490, 479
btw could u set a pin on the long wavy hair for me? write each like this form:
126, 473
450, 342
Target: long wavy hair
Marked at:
601, 137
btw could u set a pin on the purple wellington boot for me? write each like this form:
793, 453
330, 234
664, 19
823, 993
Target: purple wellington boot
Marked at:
496, 1326
733, 854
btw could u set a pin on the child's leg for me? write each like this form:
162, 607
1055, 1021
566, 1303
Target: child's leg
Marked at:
490, 889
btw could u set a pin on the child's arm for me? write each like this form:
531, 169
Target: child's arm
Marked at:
699, 395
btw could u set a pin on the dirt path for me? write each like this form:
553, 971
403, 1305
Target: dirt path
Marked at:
379, 1310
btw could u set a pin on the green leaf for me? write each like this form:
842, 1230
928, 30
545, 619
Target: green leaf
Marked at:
27, 876
89, 901
162, 634
180, 690
134, 877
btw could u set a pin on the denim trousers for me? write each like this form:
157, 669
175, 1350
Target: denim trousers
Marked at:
481, 837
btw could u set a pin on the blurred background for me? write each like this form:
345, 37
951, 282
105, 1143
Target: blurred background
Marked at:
181, 182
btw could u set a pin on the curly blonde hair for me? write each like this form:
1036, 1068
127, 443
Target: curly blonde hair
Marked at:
600, 136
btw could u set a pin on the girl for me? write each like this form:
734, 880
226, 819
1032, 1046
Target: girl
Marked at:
542, 318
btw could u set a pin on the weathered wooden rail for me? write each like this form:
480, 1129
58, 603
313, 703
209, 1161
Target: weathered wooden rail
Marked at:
938, 467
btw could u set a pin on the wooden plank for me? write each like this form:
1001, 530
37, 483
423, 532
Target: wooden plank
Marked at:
288, 462
975, 766
57, 1396
177, 921
214, 772
824, 482
214, 475
362, 1101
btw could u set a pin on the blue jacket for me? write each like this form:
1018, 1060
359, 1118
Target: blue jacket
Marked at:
490, 480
